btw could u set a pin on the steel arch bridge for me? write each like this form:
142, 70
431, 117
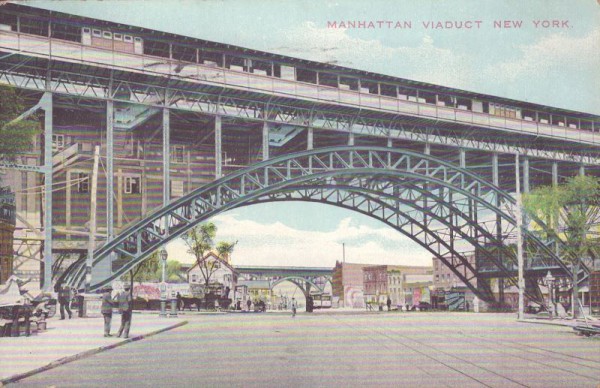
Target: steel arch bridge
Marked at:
433, 202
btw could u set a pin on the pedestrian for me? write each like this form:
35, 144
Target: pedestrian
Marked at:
64, 299
248, 303
389, 304
179, 301
106, 309
294, 307
125, 308
467, 305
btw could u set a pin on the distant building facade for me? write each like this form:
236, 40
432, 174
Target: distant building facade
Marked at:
383, 281
221, 275
348, 284
445, 279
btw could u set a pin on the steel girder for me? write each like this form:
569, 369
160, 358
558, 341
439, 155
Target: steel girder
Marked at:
217, 100
274, 175
413, 224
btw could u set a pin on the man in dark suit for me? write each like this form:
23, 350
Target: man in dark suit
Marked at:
64, 299
106, 309
125, 308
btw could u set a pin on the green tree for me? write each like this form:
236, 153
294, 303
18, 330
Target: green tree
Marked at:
200, 241
16, 136
173, 272
571, 212
146, 271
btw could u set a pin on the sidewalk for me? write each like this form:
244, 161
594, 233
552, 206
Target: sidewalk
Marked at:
69, 340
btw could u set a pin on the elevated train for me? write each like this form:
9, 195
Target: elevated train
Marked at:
138, 41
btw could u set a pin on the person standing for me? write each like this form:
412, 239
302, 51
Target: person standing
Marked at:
179, 301
106, 309
389, 304
249, 304
125, 308
64, 299
294, 307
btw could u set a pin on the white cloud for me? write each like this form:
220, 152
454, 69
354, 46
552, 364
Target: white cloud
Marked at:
425, 62
552, 54
276, 244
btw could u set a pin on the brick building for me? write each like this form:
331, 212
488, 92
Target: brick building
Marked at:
347, 284
381, 281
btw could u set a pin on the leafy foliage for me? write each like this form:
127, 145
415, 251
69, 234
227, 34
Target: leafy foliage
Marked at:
200, 241
15, 137
146, 271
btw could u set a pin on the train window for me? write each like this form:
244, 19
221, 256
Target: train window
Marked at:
463, 103
86, 30
33, 26
305, 75
107, 34
235, 63
557, 120
348, 83
388, 90
9, 20
544, 118
138, 39
528, 115
66, 32
156, 48
328, 79
427, 97
407, 93
184, 53
586, 125
572, 123
211, 58
262, 67
97, 33
118, 36
369, 87
127, 38
445, 100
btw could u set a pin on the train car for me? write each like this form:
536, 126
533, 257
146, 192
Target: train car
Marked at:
322, 301
112, 40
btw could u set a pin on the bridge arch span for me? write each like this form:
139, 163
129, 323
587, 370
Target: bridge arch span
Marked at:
337, 166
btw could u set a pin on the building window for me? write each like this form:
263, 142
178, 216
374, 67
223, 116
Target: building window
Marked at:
177, 153
132, 185
194, 278
58, 142
83, 182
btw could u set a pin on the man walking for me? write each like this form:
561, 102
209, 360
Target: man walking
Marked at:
389, 304
294, 307
106, 309
64, 299
125, 308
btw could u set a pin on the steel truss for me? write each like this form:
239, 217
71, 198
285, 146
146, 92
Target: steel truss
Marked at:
380, 182
101, 84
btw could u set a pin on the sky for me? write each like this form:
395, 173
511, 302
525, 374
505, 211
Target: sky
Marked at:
549, 54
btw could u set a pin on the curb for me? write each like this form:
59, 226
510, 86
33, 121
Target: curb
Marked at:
547, 323
87, 353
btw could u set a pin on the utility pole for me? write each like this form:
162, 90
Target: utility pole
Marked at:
519, 217
92, 228
343, 253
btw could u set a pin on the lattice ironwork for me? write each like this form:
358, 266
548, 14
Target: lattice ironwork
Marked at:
439, 193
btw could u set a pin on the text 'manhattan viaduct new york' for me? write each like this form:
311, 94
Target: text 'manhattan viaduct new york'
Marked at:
186, 129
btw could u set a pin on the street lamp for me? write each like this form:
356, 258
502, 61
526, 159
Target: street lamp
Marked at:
549, 283
163, 284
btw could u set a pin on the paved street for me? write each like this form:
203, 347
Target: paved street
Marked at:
343, 349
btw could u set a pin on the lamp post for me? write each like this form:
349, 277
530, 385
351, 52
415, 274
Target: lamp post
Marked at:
549, 283
163, 284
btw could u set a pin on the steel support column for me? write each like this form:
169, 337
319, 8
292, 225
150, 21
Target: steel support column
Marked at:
526, 175
265, 141
218, 147
462, 158
110, 184
310, 139
166, 156
582, 170
496, 182
48, 129
350, 139
554, 174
